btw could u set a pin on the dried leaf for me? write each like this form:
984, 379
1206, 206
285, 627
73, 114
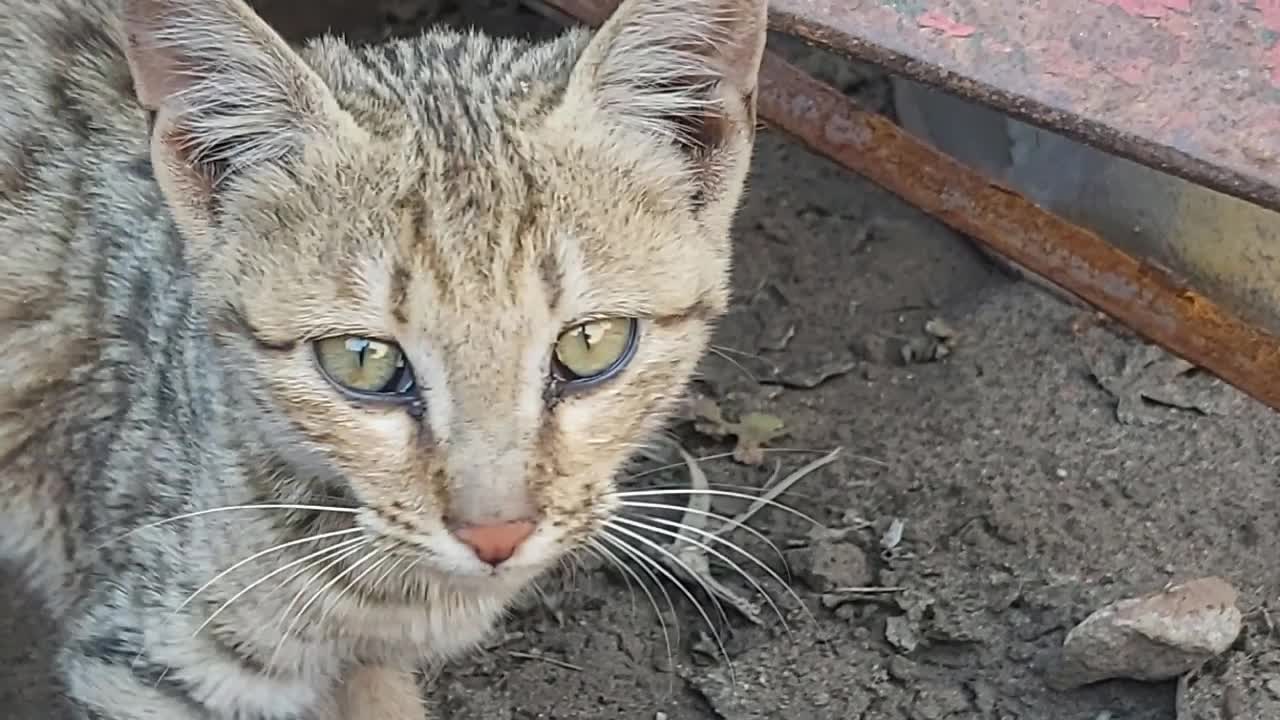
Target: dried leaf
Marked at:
753, 432
1149, 375
708, 419
810, 375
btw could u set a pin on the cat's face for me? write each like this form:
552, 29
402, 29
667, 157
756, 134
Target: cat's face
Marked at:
459, 281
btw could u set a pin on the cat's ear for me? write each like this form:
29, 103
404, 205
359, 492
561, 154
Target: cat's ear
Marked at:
228, 94
682, 70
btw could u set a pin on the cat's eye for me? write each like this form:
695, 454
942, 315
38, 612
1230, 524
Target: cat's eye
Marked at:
594, 351
366, 367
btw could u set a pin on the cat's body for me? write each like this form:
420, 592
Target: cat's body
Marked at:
167, 439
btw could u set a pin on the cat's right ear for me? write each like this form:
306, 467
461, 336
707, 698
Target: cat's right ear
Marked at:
228, 94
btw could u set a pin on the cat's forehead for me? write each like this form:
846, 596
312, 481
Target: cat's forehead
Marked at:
470, 252
453, 90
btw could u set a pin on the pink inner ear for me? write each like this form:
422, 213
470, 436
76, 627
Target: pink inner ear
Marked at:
158, 68
199, 178
154, 79
743, 47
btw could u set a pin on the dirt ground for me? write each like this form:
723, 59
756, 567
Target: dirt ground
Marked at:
1009, 464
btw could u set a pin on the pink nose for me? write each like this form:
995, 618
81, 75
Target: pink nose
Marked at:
495, 544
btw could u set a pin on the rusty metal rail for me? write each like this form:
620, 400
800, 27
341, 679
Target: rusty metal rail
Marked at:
1137, 294
1191, 88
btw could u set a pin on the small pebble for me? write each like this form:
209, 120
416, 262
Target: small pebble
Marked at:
893, 535
879, 349
1151, 638
901, 634
939, 328
1273, 687
1233, 703
847, 612
829, 566
902, 669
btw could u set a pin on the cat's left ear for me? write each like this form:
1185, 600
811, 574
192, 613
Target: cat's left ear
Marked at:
229, 96
686, 72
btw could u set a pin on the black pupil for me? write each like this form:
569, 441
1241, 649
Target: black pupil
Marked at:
401, 381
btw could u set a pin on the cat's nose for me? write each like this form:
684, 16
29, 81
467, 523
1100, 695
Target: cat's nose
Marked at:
495, 544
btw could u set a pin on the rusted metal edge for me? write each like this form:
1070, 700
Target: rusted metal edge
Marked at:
830, 25
1135, 293
1227, 177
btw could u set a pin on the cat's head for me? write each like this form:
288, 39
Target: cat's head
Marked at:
458, 279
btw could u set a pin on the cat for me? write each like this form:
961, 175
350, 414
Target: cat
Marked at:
313, 357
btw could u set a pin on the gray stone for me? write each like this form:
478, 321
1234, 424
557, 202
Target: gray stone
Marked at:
1152, 638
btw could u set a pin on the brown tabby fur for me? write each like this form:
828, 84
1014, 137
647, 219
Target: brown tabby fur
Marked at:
186, 203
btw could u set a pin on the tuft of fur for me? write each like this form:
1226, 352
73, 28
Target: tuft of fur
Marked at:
187, 203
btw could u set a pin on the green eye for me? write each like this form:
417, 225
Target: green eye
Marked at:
365, 366
596, 350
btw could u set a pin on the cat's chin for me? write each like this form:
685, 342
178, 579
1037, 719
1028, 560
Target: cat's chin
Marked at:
498, 586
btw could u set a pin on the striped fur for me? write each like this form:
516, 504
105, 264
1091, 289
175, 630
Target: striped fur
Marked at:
186, 202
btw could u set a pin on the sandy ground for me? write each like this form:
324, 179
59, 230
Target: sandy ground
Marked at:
1027, 494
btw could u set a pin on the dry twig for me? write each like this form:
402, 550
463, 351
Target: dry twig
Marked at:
543, 658
778, 489
690, 553
686, 545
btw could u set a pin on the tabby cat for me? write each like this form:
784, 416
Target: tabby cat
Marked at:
312, 357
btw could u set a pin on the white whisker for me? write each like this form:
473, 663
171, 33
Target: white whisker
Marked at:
729, 522
255, 556
628, 573
644, 567
705, 547
297, 618
309, 566
247, 588
736, 351
332, 562
722, 456
740, 487
536, 587
718, 555
404, 574
390, 569
719, 493
275, 548
637, 555
594, 548
679, 563
729, 359
570, 566
336, 599
230, 508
